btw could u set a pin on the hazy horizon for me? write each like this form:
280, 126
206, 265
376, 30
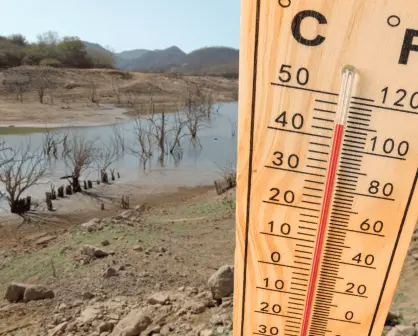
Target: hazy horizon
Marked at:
127, 25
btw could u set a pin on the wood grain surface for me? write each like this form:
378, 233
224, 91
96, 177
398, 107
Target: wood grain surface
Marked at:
291, 61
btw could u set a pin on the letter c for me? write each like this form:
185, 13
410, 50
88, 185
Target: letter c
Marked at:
297, 21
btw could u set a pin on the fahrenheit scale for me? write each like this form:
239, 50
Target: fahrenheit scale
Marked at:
327, 164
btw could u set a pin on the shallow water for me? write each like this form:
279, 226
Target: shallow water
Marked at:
198, 164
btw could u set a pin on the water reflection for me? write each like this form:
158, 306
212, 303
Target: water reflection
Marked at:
191, 162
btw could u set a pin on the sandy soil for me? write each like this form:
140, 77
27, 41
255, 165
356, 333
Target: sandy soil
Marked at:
91, 96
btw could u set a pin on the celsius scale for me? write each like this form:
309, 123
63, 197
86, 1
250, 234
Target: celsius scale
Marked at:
327, 164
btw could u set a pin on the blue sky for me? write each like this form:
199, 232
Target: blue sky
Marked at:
128, 24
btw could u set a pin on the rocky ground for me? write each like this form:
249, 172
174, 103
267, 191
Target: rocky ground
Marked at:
164, 267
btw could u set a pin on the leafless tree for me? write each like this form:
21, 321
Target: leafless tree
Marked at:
50, 38
234, 126
157, 126
196, 115
94, 96
4, 158
23, 169
175, 133
131, 97
44, 80
18, 81
79, 156
51, 142
118, 138
116, 88
143, 145
107, 154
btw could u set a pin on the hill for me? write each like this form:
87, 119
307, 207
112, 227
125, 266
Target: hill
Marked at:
205, 61
131, 54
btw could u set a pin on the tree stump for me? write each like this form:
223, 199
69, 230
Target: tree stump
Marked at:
69, 190
102, 207
118, 175
85, 185
124, 203
105, 177
76, 188
112, 173
90, 184
28, 203
48, 201
53, 195
61, 192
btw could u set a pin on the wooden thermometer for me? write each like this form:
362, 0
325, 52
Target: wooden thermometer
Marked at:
327, 164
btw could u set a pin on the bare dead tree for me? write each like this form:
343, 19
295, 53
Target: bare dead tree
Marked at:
116, 88
51, 142
118, 138
196, 115
80, 156
94, 96
5, 157
43, 81
131, 97
143, 145
17, 80
175, 133
25, 168
157, 127
234, 127
106, 155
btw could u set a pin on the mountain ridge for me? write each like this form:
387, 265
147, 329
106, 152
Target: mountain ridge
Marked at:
209, 60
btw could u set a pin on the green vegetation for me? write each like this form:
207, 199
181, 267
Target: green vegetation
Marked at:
50, 50
23, 130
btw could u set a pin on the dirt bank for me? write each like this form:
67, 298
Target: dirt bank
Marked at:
97, 96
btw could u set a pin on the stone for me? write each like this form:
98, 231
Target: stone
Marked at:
151, 330
221, 283
138, 248
59, 329
45, 240
100, 253
105, 243
206, 332
35, 292
220, 330
132, 324
401, 330
62, 306
220, 319
88, 296
197, 307
106, 327
165, 330
93, 252
71, 327
392, 319
15, 292
159, 298
88, 315
92, 225
109, 272
216, 320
